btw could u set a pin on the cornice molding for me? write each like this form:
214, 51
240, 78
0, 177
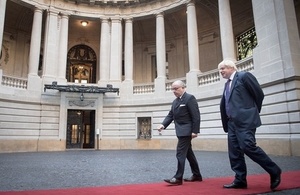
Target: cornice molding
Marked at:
142, 8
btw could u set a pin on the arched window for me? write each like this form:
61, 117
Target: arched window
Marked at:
81, 65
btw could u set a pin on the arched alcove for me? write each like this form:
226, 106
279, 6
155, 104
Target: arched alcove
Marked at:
81, 64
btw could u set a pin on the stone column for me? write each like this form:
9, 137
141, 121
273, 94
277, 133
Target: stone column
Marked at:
160, 81
127, 86
116, 51
34, 81
192, 34
104, 52
160, 46
35, 43
63, 48
2, 17
193, 47
50, 47
128, 49
227, 36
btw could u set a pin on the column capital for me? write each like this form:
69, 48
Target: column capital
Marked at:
104, 18
190, 3
52, 11
128, 19
65, 14
116, 18
38, 9
159, 14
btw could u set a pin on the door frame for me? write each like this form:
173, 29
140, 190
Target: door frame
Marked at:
92, 101
80, 130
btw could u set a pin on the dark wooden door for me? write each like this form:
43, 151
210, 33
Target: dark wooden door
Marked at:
80, 129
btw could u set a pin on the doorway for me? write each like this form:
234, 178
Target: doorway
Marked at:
80, 129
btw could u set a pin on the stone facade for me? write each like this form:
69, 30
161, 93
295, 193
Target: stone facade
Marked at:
141, 49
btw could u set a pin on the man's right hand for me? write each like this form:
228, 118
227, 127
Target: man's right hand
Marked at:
160, 127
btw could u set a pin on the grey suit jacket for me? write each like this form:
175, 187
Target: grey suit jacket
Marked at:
186, 115
245, 102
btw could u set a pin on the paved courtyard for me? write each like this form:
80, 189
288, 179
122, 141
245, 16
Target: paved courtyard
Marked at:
84, 168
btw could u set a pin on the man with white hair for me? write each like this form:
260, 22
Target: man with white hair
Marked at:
186, 116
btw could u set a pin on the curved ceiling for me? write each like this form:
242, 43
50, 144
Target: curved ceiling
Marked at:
19, 15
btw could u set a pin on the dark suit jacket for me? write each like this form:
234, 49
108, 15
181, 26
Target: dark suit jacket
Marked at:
186, 115
245, 102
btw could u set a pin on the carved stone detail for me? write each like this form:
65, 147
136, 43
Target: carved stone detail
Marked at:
80, 103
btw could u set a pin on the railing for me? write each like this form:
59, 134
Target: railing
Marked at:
143, 88
208, 77
245, 64
169, 83
214, 76
14, 82
205, 78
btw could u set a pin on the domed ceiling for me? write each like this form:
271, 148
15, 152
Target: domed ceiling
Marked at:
19, 15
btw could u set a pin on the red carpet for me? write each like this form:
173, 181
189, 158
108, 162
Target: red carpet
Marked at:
256, 184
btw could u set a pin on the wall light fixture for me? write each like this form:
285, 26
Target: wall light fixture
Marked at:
84, 23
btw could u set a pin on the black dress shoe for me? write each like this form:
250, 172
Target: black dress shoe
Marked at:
236, 185
193, 178
275, 181
174, 181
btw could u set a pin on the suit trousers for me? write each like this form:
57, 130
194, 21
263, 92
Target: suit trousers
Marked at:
243, 141
184, 151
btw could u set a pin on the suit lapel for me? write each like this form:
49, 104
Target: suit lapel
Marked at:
233, 82
177, 102
180, 100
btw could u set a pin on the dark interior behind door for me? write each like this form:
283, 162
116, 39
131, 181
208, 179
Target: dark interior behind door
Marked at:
80, 129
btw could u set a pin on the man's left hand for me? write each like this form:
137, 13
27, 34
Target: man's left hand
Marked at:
194, 135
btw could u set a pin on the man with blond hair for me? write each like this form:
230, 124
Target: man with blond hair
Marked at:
240, 107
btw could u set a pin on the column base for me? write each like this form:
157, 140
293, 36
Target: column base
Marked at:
34, 83
160, 86
192, 82
126, 90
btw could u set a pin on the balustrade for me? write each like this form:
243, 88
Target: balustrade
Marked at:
14, 82
142, 89
245, 64
209, 77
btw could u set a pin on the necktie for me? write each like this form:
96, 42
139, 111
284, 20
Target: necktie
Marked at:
227, 94
178, 102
